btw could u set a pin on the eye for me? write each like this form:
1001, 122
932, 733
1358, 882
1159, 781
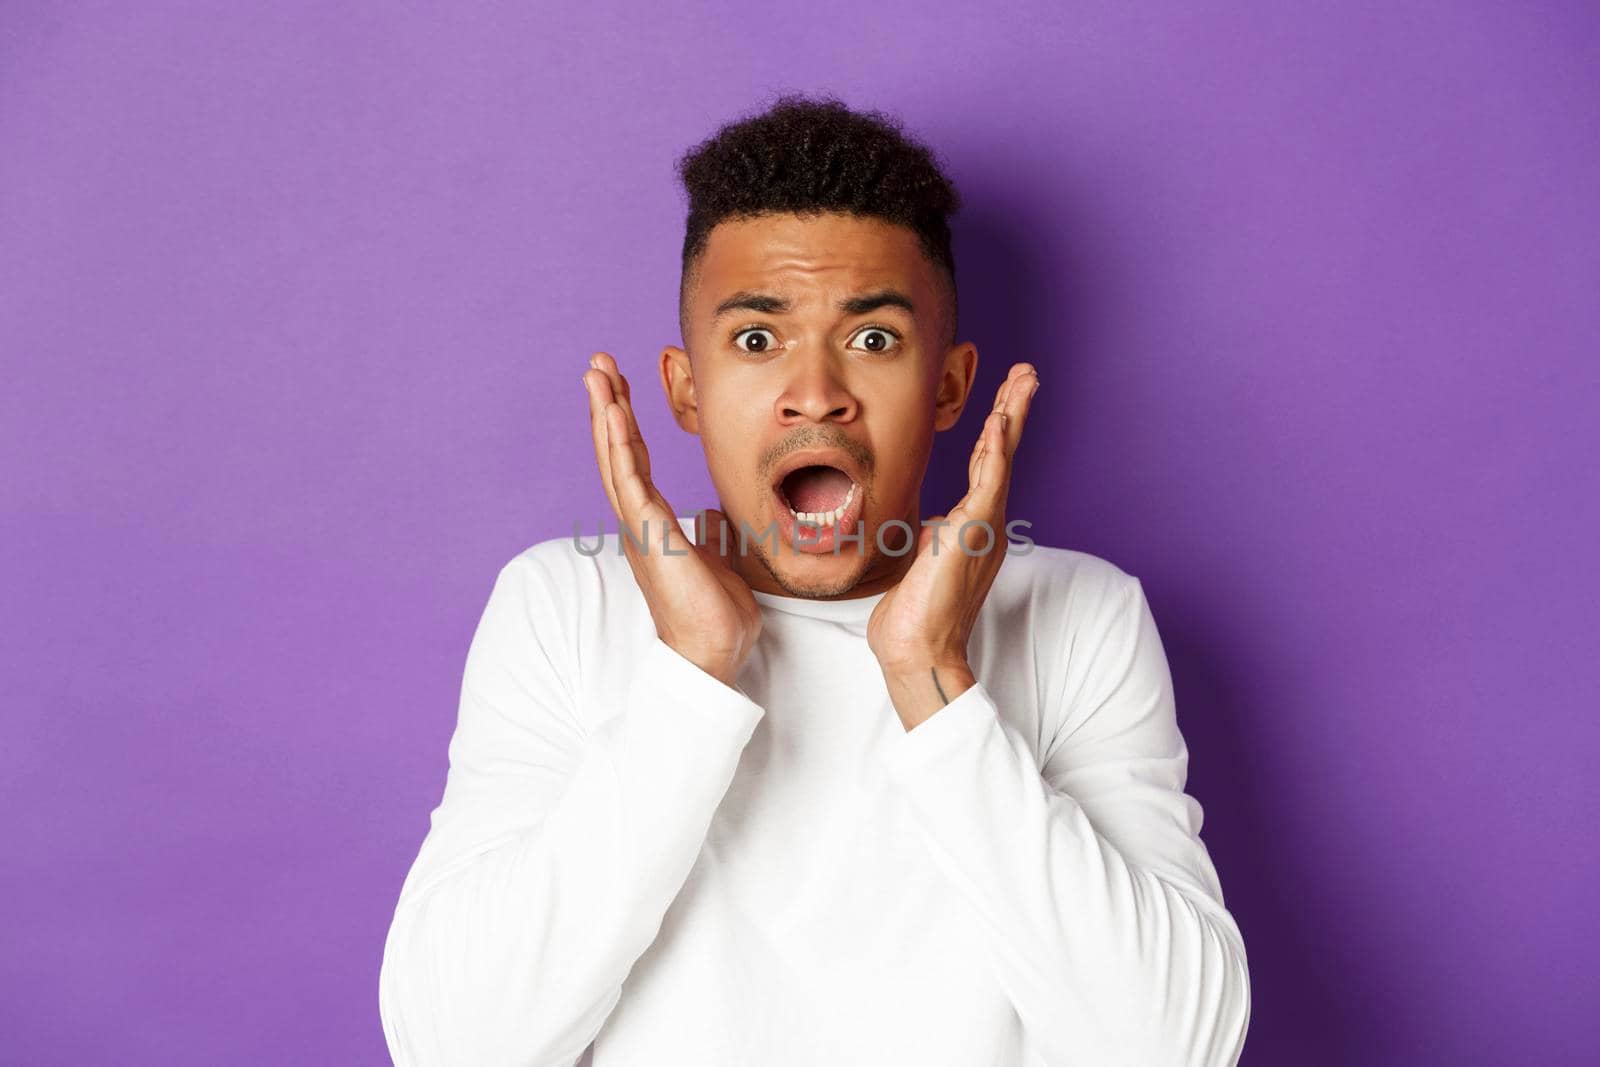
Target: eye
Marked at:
755, 339
875, 339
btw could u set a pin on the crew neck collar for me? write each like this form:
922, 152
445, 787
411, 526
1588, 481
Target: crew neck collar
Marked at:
857, 609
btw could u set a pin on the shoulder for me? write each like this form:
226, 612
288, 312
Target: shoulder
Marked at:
1094, 644
579, 588
1072, 608
1066, 585
578, 565
563, 613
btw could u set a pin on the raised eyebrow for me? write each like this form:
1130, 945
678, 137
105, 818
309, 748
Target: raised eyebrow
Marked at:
767, 304
744, 300
860, 305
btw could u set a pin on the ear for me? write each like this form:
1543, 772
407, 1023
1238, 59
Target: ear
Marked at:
954, 385
677, 381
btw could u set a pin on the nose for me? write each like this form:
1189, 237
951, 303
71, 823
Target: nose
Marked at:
815, 391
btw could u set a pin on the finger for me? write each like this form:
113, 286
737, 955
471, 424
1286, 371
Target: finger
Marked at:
642, 509
1002, 405
1003, 430
989, 469
622, 391
979, 447
633, 489
994, 448
606, 363
1018, 401
977, 454
598, 388
1004, 388
980, 450
993, 468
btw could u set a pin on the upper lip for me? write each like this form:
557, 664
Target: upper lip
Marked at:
816, 457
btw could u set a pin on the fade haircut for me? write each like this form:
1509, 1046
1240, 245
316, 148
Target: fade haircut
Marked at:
809, 156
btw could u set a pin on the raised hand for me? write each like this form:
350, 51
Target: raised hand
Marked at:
701, 607
919, 630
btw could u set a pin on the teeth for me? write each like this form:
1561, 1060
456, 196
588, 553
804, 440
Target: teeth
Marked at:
827, 518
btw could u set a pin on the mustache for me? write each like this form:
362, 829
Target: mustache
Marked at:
817, 437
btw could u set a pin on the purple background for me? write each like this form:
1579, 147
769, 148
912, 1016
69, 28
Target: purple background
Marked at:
293, 308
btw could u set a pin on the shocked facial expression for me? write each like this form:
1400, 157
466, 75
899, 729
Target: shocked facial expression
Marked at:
817, 369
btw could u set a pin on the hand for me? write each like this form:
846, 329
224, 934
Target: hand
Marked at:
919, 630
701, 607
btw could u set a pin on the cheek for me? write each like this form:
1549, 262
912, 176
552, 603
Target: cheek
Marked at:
729, 426
730, 407
900, 454
901, 415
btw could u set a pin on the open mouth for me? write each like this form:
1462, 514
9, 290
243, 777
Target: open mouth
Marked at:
818, 494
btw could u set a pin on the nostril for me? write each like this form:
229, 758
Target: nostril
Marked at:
794, 413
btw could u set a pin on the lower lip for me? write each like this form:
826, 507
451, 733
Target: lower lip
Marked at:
825, 536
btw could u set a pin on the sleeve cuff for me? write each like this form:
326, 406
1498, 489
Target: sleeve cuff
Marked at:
663, 676
953, 728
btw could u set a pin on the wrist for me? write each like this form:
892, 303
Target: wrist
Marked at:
919, 690
912, 666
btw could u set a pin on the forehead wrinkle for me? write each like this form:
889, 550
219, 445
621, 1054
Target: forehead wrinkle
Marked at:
788, 302
799, 282
792, 266
811, 262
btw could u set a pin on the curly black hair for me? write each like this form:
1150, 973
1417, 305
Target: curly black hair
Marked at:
809, 156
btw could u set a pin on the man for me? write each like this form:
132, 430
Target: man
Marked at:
804, 790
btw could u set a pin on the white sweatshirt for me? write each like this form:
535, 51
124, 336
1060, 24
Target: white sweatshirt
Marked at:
632, 854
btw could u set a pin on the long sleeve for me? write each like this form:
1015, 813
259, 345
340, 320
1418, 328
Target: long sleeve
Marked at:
558, 844
1084, 864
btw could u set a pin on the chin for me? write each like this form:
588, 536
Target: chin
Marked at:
814, 587
818, 574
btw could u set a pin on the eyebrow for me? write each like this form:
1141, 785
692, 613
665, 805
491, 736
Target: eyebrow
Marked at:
767, 304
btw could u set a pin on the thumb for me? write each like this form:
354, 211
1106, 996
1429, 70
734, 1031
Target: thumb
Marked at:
713, 535
929, 530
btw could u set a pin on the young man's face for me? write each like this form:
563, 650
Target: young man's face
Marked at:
815, 389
